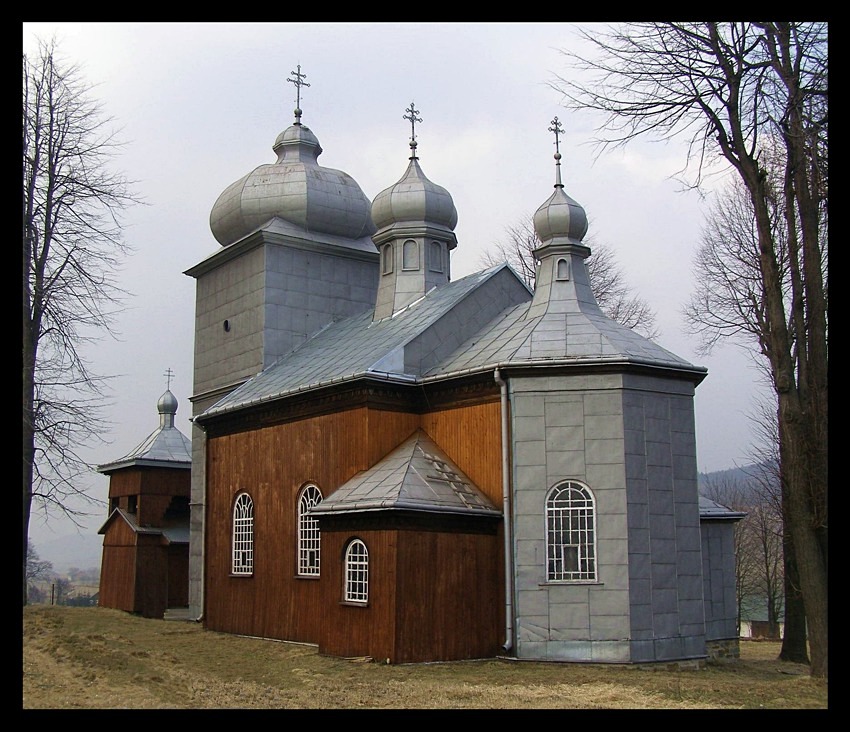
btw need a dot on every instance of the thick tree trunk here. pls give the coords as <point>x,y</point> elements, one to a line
<point>794,639</point>
<point>804,482</point>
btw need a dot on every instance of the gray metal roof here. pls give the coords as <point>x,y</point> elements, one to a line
<point>516,338</point>
<point>709,510</point>
<point>165,447</point>
<point>416,476</point>
<point>352,348</point>
<point>563,323</point>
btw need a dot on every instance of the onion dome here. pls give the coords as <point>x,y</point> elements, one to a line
<point>296,189</point>
<point>414,199</point>
<point>560,217</point>
<point>167,403</point>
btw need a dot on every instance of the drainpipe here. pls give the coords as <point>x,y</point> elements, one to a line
<point>506,510</point>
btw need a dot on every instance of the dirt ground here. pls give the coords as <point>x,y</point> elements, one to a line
<point>97,658</point>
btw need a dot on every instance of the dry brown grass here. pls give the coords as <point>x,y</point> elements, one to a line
<point>96,658</point>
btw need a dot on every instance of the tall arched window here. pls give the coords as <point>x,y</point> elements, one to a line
<point>387,259</point>
<point>570,533</point>
<point>356,572</point>
<point>243,535</point>
<point>436,257</point>
<point>410,255</point>
<point>309,539</point>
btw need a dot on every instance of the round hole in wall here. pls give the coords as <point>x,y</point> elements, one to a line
<point>227,326</point>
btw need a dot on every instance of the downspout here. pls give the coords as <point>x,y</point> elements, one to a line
<point>508,514</point>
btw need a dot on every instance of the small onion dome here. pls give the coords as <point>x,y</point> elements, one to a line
<point>414,199</point>
<point>167,403</point>
<point>295,188</point>
<point>560,217</point>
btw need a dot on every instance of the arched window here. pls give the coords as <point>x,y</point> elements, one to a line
<point>436,257</point>
<point>243,535</point>
<point>563,272</point>
<point>309,540</point>
<point>387,259</point>
<point>570,533</point>
<point>410,255</point>
<point>356,572</point>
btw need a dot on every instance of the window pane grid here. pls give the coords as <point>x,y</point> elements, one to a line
<point>357,572</point>
<point>309,538</point>
<point>570,534</point>
<point>243,535</point>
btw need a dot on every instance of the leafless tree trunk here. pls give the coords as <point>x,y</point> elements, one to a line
<point>768,471</point>
<point>752,95</point>
<point>72,247</point>
<point>607,281</point>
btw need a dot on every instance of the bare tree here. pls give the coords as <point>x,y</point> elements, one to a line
<point>766,469</point>
<point>607,281</point>
<point>37,568</point>
<point>72,248</point>
<point>740,93</point>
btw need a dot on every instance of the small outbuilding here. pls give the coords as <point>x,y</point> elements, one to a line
<point>145,565</point>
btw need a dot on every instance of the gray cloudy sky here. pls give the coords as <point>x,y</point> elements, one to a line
<point>200,105</point>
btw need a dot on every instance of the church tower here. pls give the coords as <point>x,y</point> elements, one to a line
<point>296,255</point>
<point>415,221</point>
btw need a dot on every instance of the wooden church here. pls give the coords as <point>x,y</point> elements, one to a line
<point>390,463</point>
<point>145,562</point>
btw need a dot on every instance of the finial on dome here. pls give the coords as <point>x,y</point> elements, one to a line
<point>412,112</point>
<point>557,129</point>
<point>299,82</point>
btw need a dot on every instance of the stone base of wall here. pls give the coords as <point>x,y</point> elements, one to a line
<point>719,650</point>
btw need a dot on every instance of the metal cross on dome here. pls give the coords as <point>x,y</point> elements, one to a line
<point>299,82</point>
<point>411,115</point>
<point>557,129</point>
<point>168,374</point>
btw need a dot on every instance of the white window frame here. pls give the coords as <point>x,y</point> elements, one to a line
<point>570,533</point>
<point>242,557</point>
<point>356,573</point>
<point>309,537</point>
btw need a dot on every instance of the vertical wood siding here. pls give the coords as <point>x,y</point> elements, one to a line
<point>118,567</point>
<point>272,465</point>
<point>432,595</point>
<point>472,437</point>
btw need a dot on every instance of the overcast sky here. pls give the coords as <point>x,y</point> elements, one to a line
<point>199,105</point>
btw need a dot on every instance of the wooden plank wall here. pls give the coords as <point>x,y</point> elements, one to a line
<point>471,436</point>
<point>449,600</point>
<point>273,464</point>
<point>353,630</point>
<point>151,576</point>
<point>118,568</point>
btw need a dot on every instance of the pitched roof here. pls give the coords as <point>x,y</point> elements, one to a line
<point>392,348</point>
<point>416,476</point>
<point>165,447</point>
<point>709,510</point>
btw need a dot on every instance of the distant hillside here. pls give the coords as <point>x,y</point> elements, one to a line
<point>741,474</point>
<point>82,551</point>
